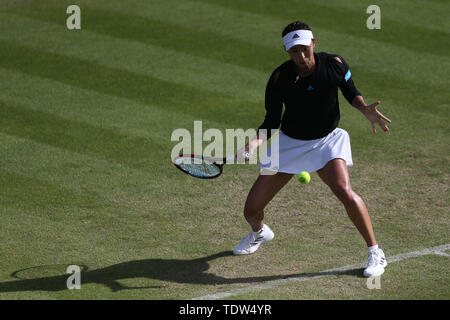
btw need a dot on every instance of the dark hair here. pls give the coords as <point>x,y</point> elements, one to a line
<point>296,25</point>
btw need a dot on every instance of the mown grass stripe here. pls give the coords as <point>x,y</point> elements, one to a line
<point>144,89</point>
<point>101,110</point>
<point>410,36</point>
<point>142,58</point>
<point>57,166</point>
<point>164,34</point>
<point>54,202</point>
<point>428,15</point>
<point>44,127</point>
<point>261,31</point>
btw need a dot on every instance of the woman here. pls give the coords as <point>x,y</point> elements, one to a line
<point>309,139</point>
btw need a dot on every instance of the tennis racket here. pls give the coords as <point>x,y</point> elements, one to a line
<point>200,166</point>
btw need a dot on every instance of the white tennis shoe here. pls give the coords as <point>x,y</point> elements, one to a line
<point>253,240</point>
<point>376,263</point>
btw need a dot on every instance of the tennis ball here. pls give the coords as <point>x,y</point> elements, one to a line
<point>304,177</point>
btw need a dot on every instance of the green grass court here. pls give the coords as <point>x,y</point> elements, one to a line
<point>85,170</point>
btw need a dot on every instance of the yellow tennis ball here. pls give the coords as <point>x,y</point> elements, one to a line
<point>304,177</point>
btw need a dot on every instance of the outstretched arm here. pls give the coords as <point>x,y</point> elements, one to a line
<point>371,113</point>
<point>354,97</point>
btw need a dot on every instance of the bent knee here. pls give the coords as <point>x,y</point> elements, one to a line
<point>251,210</point>
<point>344,192</point>
<point>252,207</point>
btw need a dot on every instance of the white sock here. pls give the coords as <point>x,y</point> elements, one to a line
<point>372,248</point>
<point>259,231</point>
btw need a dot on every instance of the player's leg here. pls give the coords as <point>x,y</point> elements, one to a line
<point>262,191</point>
<point>335,175</point>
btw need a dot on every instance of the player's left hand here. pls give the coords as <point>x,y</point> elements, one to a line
<point>376,117</point>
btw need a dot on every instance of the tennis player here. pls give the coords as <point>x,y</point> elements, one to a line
<point>309,137</point>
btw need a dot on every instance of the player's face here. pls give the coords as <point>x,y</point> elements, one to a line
<point>303,56</point>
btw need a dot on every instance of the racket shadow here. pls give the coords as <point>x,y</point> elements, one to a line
<point>168,270</point>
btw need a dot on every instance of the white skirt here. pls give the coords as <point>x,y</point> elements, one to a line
<point>295,156</point>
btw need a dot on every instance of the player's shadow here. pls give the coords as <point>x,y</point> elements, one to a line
<point>171,270</point>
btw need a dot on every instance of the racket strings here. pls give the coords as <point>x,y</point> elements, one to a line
<point>203,169</point>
